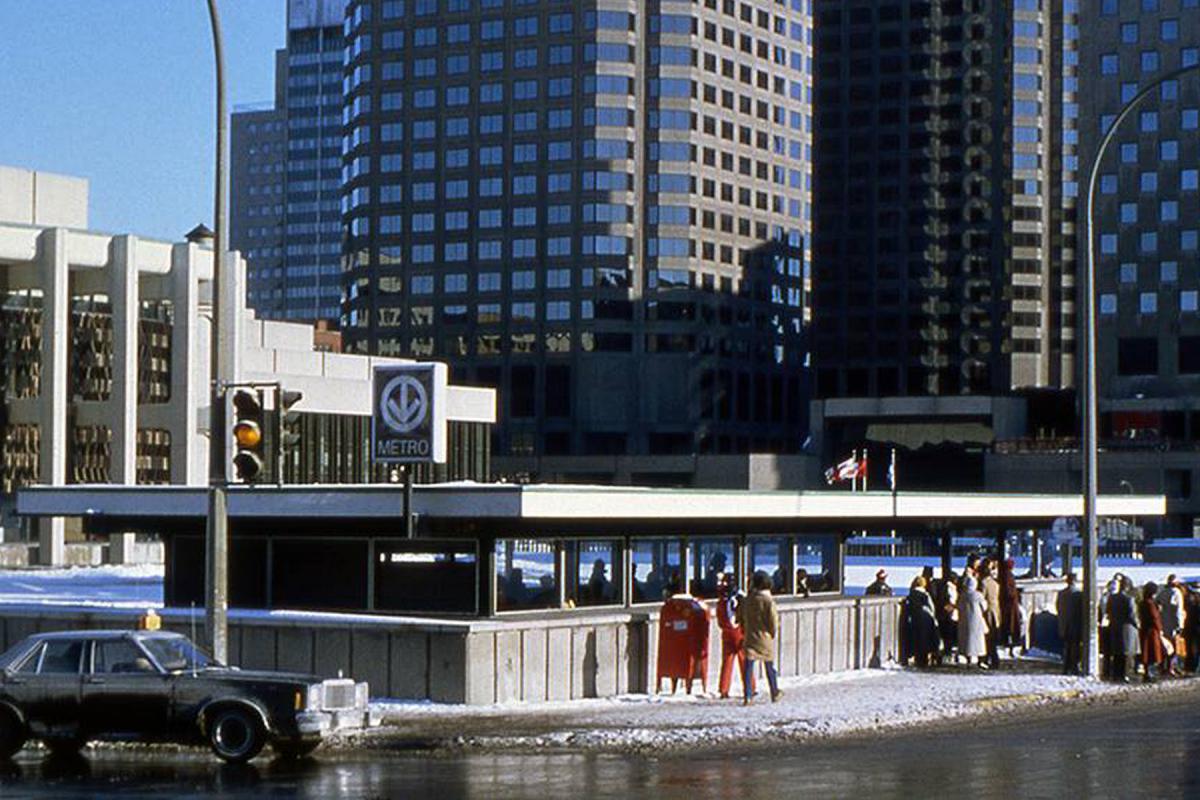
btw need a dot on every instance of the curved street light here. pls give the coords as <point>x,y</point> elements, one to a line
<point>1090,452</point>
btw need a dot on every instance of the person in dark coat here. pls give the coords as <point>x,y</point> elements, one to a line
<point>880,587</point>
<point>947,616</point>
<point>922,623</point>
<point>1123,633</point>
<point>1191,629</point>
<point>1011,633</point>
<point>1069,606</point>
<point>1154,652</point>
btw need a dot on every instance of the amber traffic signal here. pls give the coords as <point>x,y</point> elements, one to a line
<point>244,408</point>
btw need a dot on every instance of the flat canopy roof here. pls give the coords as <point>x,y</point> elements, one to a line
<point>473,509</point>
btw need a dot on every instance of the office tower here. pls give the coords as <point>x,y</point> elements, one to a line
<point>601,208</point>
<point>285,189</point>
<point>1147,205</point>
<point>945,196</point>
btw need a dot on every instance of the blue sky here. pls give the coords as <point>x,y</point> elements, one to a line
<point>121,92</point>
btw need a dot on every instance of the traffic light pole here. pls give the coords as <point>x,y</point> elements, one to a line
<point>216,550</point>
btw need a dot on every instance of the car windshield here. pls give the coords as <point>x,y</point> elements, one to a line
<point>177,653</point>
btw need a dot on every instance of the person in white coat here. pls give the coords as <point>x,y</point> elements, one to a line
<point>972,623</point>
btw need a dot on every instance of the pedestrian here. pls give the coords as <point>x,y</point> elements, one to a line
<point>880,587</point>
<point>1172,606</point>
<point>1191,629</point>
<point>922,622</point>
<point>759,618</point>
<point>1069,605</point>
<point>802,588</point>
<point>1155,654</point>
<point>732,635</point>
<point>1012,631</point>
<point>947,608</point>
<point>1104,634</point>
<point>972,623</point>
<point>972,569</point>
<point>989,587</point>
<point>1122,632</point>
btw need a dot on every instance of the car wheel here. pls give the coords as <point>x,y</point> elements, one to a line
<point>12,734</point>
<point>295,750</point>
<point>236,735</point>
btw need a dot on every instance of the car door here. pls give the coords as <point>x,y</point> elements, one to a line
<point>51,686</point>
<point>124,694</point>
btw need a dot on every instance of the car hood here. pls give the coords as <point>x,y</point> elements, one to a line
<point>254,676</point>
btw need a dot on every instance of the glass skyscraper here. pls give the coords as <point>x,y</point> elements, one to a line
<point>945,195</point>
<point>1147,211</point>
<point>286,179</point>
<point>601,208</point>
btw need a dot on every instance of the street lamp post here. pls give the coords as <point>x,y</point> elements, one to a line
<point>1090,450</point>
<point>216,539</point>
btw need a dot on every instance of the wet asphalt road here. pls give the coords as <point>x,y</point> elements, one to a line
<point>1144,749</point>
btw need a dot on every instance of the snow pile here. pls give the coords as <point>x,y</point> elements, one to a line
<point>134,587</point>
<point>812,708</point>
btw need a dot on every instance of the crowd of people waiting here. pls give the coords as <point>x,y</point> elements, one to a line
<point>1156,628</point>
<point>969,617</point>
<point>959,617</point>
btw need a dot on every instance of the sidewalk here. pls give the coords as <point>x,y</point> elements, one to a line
<point>812,708</point>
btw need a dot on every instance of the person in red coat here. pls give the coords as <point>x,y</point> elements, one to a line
<point>1154,652</point>
<point>732,635</point>
<point>1011,633</point>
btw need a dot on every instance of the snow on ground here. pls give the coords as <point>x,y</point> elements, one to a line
<point>812,707</point>
<point>108,586</point>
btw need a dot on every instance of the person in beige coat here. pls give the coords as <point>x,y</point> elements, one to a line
<point>990,588</point>
<point>759,618</point>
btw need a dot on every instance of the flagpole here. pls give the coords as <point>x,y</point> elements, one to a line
<point>892,484</point>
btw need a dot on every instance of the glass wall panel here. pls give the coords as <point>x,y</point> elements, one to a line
<point>526,575</point>
<point>424,577</point>
<point>817,563</point>
<point>593,572</point>
<point>771,556</point>
<point>712,558</point>
<point>657,569</point>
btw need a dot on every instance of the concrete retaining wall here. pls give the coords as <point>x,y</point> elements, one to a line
<point>530,658</point>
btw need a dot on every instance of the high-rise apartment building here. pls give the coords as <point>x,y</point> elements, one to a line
<point>945,196</point>
<point>286,193</point>
<point>601,208</point>
<point>1147,204</point>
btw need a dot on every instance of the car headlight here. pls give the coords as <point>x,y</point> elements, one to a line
<point>313,701</point>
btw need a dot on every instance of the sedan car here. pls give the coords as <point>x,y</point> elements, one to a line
<point>71,687</point>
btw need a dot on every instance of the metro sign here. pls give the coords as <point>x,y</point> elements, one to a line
<point>408,420</point>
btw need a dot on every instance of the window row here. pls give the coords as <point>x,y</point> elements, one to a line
<point>567,574</point>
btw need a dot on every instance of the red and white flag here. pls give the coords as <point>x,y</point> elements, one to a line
<point>848,470</point>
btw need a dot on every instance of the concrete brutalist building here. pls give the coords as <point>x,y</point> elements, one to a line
<point>602,209</point>
<point>105,368</point>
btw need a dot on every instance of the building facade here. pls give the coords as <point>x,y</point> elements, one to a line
<point>1147,204</point>
<point>601,209</point>
<point>945,196</point>
<point>286,191</point>
<point>105,373</point>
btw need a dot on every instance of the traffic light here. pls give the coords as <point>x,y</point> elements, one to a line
<point>288,433</point>
<point>244,411</point>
